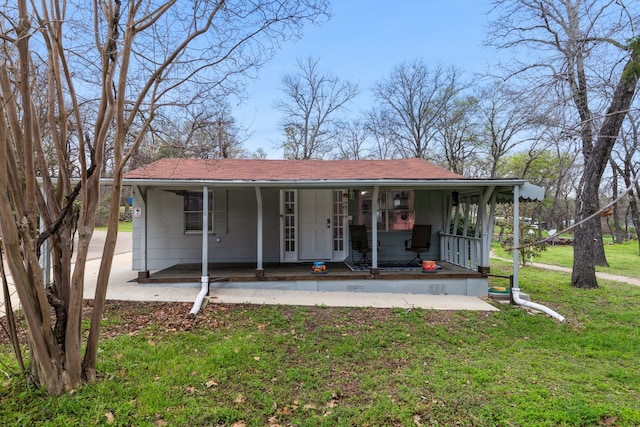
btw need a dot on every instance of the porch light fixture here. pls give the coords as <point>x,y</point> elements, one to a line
<point>396,201</point>
<point>455,198</point>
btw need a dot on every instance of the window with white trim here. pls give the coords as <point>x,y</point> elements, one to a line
<point>193,208</point>
<point>395,209</point>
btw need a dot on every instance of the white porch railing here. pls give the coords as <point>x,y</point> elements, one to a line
<point>461,250</point>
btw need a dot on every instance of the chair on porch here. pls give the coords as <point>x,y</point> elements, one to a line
<point>360,242</point>
<point>420,241</point>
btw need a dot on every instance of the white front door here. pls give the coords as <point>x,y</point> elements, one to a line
<point>315,225</point>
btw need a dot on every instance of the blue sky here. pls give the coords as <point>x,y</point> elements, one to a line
<point>362,42</point>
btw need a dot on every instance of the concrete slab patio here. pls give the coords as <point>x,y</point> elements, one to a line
<point>350,299</point>
<point>122,286</point>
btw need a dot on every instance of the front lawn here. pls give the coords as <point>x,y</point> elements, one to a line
<point>245,365</point>
<point>123,226</point>
<point>623,258</point>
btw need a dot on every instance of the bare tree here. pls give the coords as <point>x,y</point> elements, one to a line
<point>457,131</point>
<point>352,141</point>
<point>379,126</point>
<point>260,153</point>
<point>206,132</point>
<point>311,100</point>
<point>136,58</point>
<point>573,47</point>
<point>412,98</point>
<point>627,164</point>
<point>567,175</point>
<point>507,120</point>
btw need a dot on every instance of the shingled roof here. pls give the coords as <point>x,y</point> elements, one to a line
<point>290,170</point>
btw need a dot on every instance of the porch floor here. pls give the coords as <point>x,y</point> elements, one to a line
<point>246,272</point>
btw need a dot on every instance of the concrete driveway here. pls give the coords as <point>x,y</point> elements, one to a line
<point>123,247</point>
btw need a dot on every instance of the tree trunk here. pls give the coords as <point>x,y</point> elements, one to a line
<point>586,234</point>
<point>635,213</point>
<point>599,257</point>
<point>616,232</point>
<point>91,352</point>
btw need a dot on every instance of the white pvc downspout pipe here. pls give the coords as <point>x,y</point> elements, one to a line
<point>515,290</point>
<point>204,290</point>
<point>535,306</point>
<point>204,278</point>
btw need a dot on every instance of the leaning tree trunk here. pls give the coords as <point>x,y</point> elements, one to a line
<point>584,252</point>
<point>599,257</point>
<point>635,214</point>
<point>616,233</point>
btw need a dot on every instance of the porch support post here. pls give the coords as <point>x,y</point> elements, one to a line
<point>143,272</point>
<point>374,233</point>
<point>492,215</point>
<point>445,240</point>
<point>516,237</point>
<point>204,275</point>
<point>454,220</point>
<point>487,228</point>
<point>465,212</point>
<point>259,237</point>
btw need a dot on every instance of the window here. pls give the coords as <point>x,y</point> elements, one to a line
<point>395,209</point>
<point>194,207</point>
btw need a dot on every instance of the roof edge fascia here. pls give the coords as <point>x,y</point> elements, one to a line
<point>326,183</point>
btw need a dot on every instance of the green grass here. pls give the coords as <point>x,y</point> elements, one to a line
<point>623,258</point>
<point>317,366</point>
<point>124,226</point>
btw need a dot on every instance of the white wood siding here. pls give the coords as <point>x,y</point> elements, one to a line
<point>167,243</point>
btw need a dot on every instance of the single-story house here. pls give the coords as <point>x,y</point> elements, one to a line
<point>264,223</point>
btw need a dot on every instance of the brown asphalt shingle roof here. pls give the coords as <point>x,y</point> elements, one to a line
<point>290,170</point>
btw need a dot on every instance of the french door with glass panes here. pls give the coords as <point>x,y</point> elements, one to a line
<point>313,225</point>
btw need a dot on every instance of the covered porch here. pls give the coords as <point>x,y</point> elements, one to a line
<point>260,224</point>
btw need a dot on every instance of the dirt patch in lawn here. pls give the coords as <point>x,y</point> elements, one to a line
<point>130,317</point>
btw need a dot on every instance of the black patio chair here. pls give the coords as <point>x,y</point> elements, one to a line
<point>420,241</point>
<point>360,242</point>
